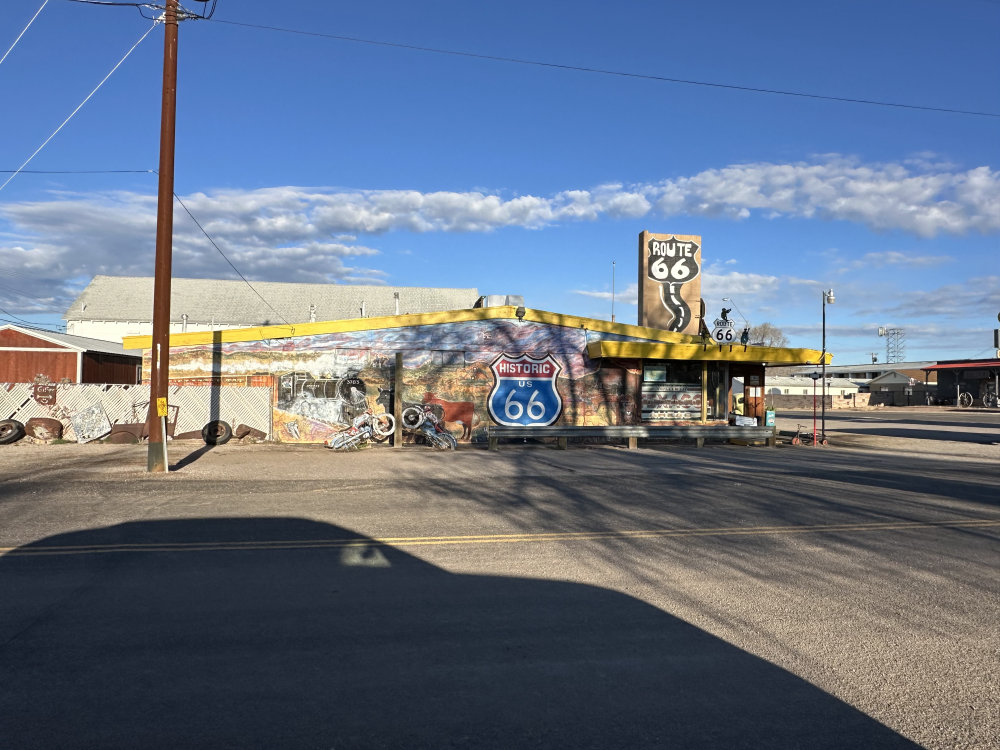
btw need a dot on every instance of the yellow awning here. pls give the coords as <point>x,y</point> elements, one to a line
<point>711,352</point>
<point>663,344</point>
<point>256,333</point>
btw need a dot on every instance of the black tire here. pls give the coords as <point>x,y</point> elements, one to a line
<point>10,431</point>
<point>217,432</point>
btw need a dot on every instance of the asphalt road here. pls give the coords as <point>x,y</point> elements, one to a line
<point>277,596</point>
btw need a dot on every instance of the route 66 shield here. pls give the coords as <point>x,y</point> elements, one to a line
<point>524,391</point>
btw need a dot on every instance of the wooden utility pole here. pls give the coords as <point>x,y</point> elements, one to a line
<point>160,352</point>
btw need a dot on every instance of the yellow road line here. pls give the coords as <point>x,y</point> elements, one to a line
<point>423,541</point>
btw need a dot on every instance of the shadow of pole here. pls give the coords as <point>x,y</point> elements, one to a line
<point>191,457</point>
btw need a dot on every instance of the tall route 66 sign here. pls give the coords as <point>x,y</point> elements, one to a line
<point>670,281</point>
<point>524,391</point>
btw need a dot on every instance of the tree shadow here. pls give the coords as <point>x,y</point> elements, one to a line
<point>283,632</point>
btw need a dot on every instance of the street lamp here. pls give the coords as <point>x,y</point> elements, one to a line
<point>730,299</point>
<point>827,298</point>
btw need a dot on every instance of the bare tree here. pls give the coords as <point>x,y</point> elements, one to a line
<point>768,334</point>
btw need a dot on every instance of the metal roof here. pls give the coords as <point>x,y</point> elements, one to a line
<point>78,343</point>
<point>879,367</point>
<point>226,302</point>
<point>787,381</point>
<point>968,364</point>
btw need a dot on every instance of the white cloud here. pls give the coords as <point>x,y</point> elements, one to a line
<point>896,258</point>
<point>738,285</point>
<point>297,233</point>
<point>925,202</point>
<point>972,304</point>
<point>629,295</point>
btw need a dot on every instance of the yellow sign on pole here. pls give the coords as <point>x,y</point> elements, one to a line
<point>161,407</point>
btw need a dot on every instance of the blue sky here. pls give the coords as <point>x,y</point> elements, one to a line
<point>313,158</point>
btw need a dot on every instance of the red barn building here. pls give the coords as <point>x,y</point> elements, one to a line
<point>27,353</point>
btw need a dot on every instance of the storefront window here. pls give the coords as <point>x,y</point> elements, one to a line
<point>671,391</point>
<point>654,374</point>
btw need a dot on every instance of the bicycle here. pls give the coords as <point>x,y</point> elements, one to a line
<point>366,427</point>
<point>801,437</point>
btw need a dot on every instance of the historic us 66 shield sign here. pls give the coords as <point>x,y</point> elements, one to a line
<point>524,392</point>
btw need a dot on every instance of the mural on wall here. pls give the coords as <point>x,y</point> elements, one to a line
<point>320,382</point>
<point>307,404</point>
<point>670,281</point>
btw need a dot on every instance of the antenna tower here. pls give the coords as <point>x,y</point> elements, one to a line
<point>895,344</point>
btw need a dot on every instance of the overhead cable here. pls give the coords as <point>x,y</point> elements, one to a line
<point>117,65</point>
<point>198,224</point>
<point>23,32</point>
<point>619,73</point>
<point>78,171</point>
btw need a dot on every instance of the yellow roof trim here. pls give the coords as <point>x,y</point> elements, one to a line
<point>709,352</point>
<point>256,333</point>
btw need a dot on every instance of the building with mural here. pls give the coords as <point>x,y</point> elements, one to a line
<point>501,365</point>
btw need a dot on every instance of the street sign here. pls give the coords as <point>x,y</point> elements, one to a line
<point>725,331</point>
<point>524,392</point>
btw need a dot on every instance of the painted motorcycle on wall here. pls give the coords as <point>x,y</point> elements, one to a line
<point>366,428</point>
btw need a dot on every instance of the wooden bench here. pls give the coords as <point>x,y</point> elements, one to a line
<point>697,432</point>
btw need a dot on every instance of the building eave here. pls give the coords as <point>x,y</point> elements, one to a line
<point>704,352</point>
<point>507,312</point>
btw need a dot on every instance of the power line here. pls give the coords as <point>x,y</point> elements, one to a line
<point>182,14</point>
<point>77,171</point>
<point>198,224</point>
<point>12,315</point>
<point>23,32</point>
<point>79,107</point>
<point>604,71</point>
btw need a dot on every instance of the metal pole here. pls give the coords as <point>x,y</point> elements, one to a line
<point>823,390</point>
<point>815,436</point>
<point>397,401</point>
<point>156,459</point>
<point>612,291</point>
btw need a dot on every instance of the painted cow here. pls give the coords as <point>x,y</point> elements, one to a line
<point>463,412</point>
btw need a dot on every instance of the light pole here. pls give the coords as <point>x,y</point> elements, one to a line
<point>612,291</point>
<point>827,297</point>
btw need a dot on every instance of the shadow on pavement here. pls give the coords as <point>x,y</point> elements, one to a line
<point>190,457</point>
<point>281,632</point>
<point>971,435</point>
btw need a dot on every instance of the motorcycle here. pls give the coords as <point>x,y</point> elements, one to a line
<point>365,428</point>
<point>429,426</point>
